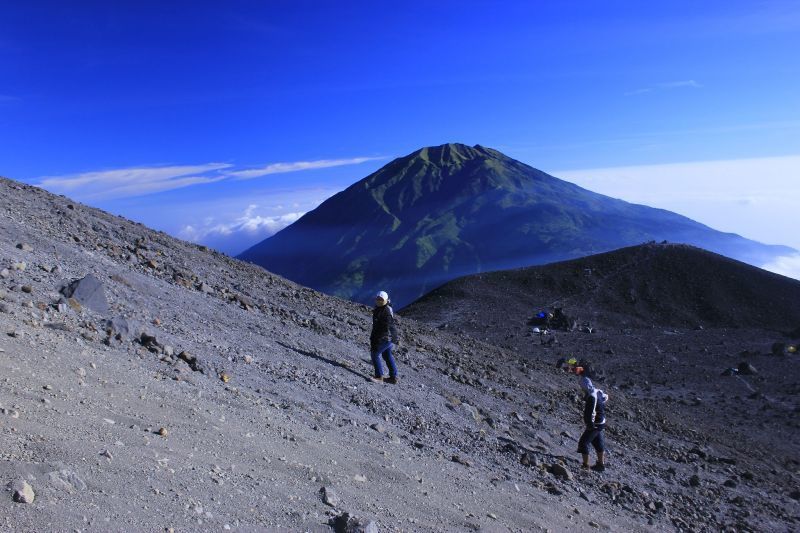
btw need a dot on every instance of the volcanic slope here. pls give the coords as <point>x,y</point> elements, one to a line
<point>650,284</point>
<point>208,394</point>
<point>693,336</point>
<point>451,210</point>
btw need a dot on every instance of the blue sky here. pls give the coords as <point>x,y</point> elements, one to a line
<point>224,121</point>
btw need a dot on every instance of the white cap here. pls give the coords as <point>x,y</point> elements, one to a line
<point>383,296</point>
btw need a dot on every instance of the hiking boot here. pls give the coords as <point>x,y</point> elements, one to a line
<point>377,379</point>
<point>599,467</point>
<point>392,380</point>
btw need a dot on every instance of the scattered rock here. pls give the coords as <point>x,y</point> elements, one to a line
<point>694,481</point>
<point>20,267</point>
<point>378,427</point>
<point>122,328</point>
<point>345,523</point>
<point>88,292</point>
<point>746,369</point>
<point>4,273</point>
<point>27,289</point>
<point>22,491</point>
<point>329,497</point>
<point>25,247</point>
<point>163,432</point>
<point>460,460</point>
<point>560,471</point>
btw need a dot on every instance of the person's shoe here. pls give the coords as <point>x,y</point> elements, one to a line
<point>377,379</point>
<point>585,467</point>
<point>392,380</point>
<point>599,467</point>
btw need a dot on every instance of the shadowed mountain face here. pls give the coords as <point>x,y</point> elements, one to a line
<point>654,284</point>
<point>451,210</point>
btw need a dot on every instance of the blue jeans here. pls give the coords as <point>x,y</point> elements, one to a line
<point>385,350</point>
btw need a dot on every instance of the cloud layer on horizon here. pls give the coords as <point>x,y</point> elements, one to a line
<point>788,265</point>
<point>756,198</point>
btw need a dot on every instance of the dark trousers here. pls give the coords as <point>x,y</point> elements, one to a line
<point>593,436</point>
<point>384,350</point>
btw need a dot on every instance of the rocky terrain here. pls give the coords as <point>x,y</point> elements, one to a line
<point>701,345</point>
<point>176,389</point>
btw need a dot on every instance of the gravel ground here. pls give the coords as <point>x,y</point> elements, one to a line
<point>211,395</point>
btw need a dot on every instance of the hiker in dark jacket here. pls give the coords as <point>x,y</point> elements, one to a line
<point>383,338</point>
<point>594,417</point>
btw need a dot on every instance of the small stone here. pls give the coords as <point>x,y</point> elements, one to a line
<point>168,350</point>
<point>107,454</point>
<point>694,481</point>
<point>360,478</point>
<point>81,372</point>
<point>16,334</point>
<point>248,359</point>
<point>4,273</point>
<point>27,289</point>
<point>20,267</point>
<point>329,497</point>
<point>25,247</point>
<point>560,471</point>
<point>747,369</point>
<point>163,432</point>
<point>378,427</point>
<point>47,387</point>
<point>225,377</point>
<point>23,492</point>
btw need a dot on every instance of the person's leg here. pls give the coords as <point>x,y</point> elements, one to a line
<point>389,358</point>
<point>600,447</point>
<point>376,362</point>
<point>583,446</point>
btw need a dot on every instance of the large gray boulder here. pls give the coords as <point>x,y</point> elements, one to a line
<point>89,292</point>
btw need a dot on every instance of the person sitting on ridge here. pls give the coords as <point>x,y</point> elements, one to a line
<point>594,416</point>
<point>383,338</point>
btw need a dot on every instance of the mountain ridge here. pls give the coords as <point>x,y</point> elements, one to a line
<point>451,210</point>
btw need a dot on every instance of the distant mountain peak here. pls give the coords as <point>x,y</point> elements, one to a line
<point>450,153</point>
<point>445,211</point>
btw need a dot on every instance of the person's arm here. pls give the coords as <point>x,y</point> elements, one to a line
<point>589,410</point>
<point>393,332</point>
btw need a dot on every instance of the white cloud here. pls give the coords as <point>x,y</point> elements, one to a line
<point>681,84</point>
<point>125,182</point>
<point>250,227</point>
<point>139,181</point>
<point>788,266</point>
<point>756,198</point>
<point>280,168</point>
